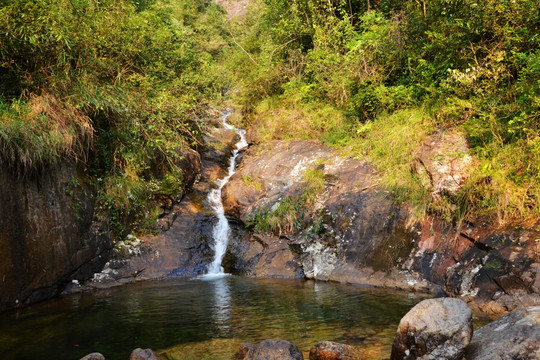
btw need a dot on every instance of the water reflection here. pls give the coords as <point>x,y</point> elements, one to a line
<point>222,305</point>
<point>195,316</point>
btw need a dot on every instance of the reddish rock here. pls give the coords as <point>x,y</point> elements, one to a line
<point>443,162</point>
<point>327,350</point>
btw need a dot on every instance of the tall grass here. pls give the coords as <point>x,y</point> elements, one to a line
<point>41,131</point>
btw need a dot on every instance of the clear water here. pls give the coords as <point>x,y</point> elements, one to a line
<point>204,319</point>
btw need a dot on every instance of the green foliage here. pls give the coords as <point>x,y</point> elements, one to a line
<point>253,183</point>
<point>116,83</point>
<point>288,215</point>
<point>384,65</point>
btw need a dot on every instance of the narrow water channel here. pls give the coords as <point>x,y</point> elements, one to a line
<point>203,319</point>
<point>221,231</point>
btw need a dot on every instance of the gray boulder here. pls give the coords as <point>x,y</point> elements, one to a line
<point>274,349</point>
<point>434,329</point>
<point>513,336</point>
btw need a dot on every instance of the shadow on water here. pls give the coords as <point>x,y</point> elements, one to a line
<point>204,319</point>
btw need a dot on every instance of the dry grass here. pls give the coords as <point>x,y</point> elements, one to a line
<point>40,131</point>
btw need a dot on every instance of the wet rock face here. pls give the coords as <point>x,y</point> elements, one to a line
<point>182,251</point>
<point>328,350</point>
<point>46,234</point>
<point>184,248</point>
<point>513,336</point>
<point>262,256</point>
<point>275,349</point>
<point>434,329</point>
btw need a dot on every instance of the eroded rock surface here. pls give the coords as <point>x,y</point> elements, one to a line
<point>513,336</point>
<point>275,349</point>
<point>497,270</point>
<point>434,329</point>
<point>355,233</point>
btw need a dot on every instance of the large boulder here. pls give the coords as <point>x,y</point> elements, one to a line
<point>434,329</point>
<point>275,349</point>
<point>328,350</point>
<point>513,336</point>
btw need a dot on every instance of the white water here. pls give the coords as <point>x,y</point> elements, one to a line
<point>222,230</point>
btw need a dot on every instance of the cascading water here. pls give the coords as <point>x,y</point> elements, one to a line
<point>222,230</point>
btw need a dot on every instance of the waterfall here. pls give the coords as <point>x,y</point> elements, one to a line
<point>221,230</point>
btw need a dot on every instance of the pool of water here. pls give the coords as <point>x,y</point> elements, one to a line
<point>200,319</point>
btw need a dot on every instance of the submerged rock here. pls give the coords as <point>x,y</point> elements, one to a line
<point>143,354</point>
<point>434,329</point>
<point>94,356</point>
<point>275,349</point>
<point>328,350</point>
<point>513,336</point>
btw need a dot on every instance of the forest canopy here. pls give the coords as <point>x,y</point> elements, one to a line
<point>120,85</point>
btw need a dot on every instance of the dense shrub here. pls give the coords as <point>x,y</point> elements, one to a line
<point>471,64</point>
<point>118,84</point>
